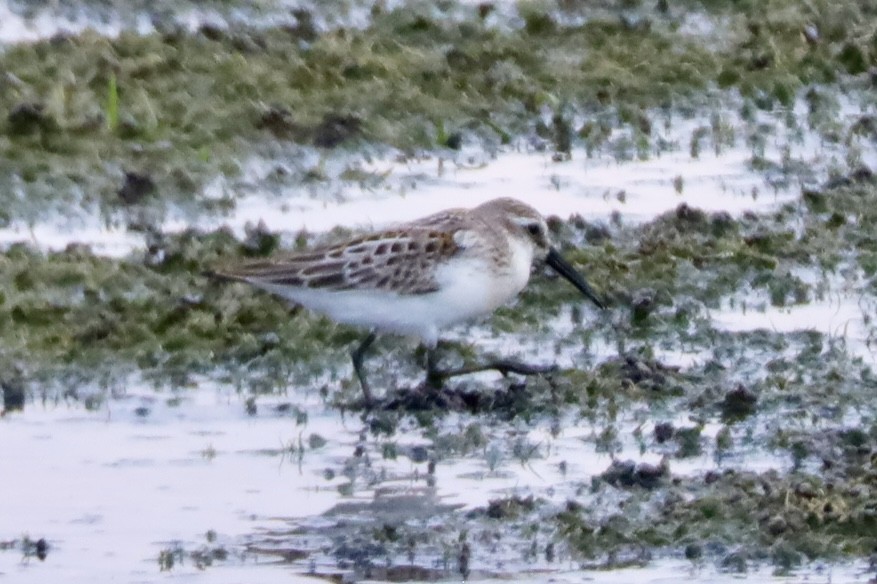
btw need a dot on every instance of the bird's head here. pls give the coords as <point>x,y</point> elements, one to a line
<point>528,226</point>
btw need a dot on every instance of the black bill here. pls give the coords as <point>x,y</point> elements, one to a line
<point>562,267</point>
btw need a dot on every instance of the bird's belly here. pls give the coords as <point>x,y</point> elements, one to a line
<point>417,315</point>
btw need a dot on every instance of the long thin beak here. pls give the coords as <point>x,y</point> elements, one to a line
<point>562,267</point>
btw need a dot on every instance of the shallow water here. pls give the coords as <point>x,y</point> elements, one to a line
<point>844,318</point>
<point>112,488</point>
<point>23,22</point>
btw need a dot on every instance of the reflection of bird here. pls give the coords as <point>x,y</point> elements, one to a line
<point>419,277</point>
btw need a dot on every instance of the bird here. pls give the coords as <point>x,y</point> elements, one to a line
<point>418,278</point>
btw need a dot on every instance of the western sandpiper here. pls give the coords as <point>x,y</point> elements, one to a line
<point>420,277</point>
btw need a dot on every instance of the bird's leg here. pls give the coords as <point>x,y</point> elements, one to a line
<point>435,377</point>
<point>356,355</point>
<point>504,366</point>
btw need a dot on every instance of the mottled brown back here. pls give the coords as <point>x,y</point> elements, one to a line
<point>403,261</point>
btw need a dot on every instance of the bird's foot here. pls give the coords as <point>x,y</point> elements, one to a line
<point>435,378</point>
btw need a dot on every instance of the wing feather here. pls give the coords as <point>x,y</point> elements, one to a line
<point>402,260</point>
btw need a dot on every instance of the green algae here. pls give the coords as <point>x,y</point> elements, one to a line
<point>180,108</point>
<point>75,312</point>
<point>755,513</point>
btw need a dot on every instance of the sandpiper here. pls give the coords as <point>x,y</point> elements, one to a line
<point>420,277</point>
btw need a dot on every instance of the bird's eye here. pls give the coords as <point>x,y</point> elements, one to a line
<point>534,229</point>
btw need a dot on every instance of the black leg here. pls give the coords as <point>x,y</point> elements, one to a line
<point>356,355</point>
<point>504,366</point>
<point>435,377</point>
